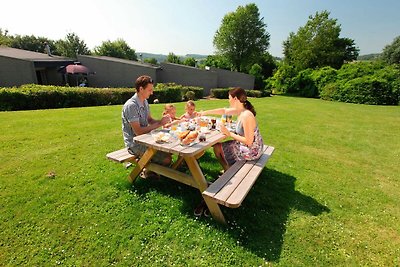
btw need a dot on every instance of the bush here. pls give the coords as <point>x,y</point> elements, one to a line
<point>220,93</point>
<point>323,77</point>
<point>283,79</point>
<point>33,96</point>
<point>367,90</point>
<point>304,85</point>
<point>223,93</point>
<point>43,97</point>
<point>190,95</point>
<point>329,91</point>
<point>171,92</point>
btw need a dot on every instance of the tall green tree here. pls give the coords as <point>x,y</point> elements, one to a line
<point>151,60</point>
<point>5,39</point>
<point>71,46</point>
<point>391,52</point>
<point>242,37</point>
<point>31,43</point>
<point>317,44</point>
<point>118,49</point>
<point>172,58</point>
<point>217,61</point>
<point>189,61</point>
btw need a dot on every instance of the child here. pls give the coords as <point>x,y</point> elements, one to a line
<point>170,109</point>
<point>190,111</point>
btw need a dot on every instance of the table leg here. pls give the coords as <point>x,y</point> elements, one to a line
<point>141,164</point>
<point>202,185</point>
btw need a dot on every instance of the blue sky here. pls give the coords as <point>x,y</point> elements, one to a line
<point>188,26</point>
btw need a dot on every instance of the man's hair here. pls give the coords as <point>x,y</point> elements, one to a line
<point>143,81</point>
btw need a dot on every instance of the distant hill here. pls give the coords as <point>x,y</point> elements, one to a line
<point>369,56</point>
<point>161,58</point>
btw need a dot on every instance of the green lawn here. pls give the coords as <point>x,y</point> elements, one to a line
<point>330,194</point>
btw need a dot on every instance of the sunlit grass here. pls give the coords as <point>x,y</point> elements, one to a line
<point>329,194</point>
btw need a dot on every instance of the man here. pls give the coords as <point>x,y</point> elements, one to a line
<point>136,120</point>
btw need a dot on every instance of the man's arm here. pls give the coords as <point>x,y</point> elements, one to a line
<point>153,124</point>
<point>142,130</point>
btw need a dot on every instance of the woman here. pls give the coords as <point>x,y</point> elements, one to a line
<point>247,142</point>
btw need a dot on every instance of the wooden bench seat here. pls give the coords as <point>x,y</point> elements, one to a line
<point>121,156</point>
<point>231,188</point>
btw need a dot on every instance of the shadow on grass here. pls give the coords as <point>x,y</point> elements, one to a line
<point>259,224</point>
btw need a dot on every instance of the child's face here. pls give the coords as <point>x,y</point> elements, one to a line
<point>190,110</point>
<point>171,112</point>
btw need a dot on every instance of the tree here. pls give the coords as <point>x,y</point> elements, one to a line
<point>151,60</point>
<point>217,61</point>
<point>172,58</point>
<point>317,44</point>
<point>190,61</point>
<point>391,53</point>
<point>242,37</point>
<point>118,49</point>
<point>5,39</point>
<point>71,46</point>
<point>256,71</point>
<point>268,65</point>
<point>31,43</point>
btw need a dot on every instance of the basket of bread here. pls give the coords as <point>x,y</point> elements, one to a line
<point>188,137</point>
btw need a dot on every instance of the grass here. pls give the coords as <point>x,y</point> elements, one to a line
<point>329,195</point>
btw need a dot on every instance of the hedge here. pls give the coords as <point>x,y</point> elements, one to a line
<point>223,93</point>
<point>359,82</point>
<point>33,96</point>
<point>44,97</point>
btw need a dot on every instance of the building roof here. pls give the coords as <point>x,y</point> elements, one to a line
<point>125,61</point>
<point>29,55</point>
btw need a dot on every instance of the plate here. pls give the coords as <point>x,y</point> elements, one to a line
<point>190,144</point>
<point>161,136</point>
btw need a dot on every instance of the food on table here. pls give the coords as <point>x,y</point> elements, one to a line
<point>183,134</point>
<point>190,137</point>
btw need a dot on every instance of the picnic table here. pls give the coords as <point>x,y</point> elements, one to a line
<point>189,154</point>
<point>230,189</point>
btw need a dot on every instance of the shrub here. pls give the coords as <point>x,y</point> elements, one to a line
<point>254,93</point>
<point>323,77</point>
<point>283,79</point>
<point>223,93</point>
<point>44,97</point>
<point>367,90</point>
<point>171,92</point>
<point>190,95</point>
<point>329,91</point>
<point>220,93</point>
<point>304,85</point>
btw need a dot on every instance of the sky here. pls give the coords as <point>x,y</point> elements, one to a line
<point>188,26</point>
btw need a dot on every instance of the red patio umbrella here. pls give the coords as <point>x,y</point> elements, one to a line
<point>77,69</point>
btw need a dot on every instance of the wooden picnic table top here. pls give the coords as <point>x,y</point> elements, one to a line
<point>174,146</point>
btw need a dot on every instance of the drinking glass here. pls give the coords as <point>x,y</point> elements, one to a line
<point>223,119</point>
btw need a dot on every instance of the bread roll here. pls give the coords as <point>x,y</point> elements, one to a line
<point>183,134</point>
<point>190,137</point>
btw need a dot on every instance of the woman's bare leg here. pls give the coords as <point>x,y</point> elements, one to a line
<point>219,153</point>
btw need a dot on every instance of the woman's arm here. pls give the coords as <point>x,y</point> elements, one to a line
<point>220,111</point>
<point>249,124</point>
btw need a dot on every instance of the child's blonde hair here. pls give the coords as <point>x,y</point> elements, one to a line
<point>190,103</point>
<point>168,108</point>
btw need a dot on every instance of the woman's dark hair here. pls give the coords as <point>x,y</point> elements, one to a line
<point>240,94</point>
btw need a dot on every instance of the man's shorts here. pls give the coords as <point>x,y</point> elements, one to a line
<point>139,149</point>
